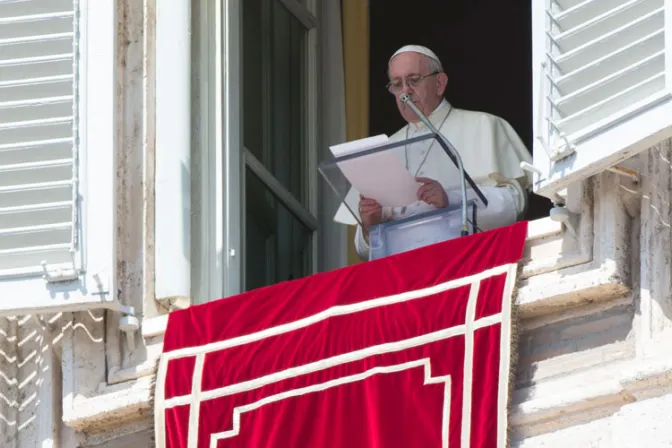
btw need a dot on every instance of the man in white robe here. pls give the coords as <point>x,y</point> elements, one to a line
<point>491,151</point>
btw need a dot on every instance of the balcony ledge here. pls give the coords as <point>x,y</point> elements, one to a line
<point>556,291</point>
<point>585,396</point>
<point>112,407</point>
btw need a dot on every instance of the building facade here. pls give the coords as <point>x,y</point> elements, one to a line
<point>157,155</point>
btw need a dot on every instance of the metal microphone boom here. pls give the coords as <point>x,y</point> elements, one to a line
<point>406,99</point>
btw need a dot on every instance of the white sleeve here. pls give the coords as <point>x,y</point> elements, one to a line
<point>361,246</point>
<point>505,205</point>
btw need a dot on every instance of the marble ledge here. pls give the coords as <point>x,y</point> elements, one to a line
<point>111,407</point>
<point>550,406</point>
<point>580,285</point>
<point>589,395</point>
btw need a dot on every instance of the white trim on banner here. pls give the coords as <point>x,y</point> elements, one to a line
<point>471,325</point>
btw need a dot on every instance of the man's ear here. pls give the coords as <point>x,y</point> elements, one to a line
<point>442,79</point>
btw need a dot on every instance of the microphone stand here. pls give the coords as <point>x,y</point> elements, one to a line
<point>406,99</point>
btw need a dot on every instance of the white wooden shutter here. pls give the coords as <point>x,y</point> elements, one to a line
<point>38,148</point>
<point>602,84</point>
<point>57,163</point>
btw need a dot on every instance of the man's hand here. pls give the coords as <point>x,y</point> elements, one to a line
<point>371,213</point>
<point>432,193</point>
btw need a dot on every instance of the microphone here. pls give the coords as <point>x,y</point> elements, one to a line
<point>406,99</point>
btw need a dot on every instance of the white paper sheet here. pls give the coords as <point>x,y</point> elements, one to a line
<point>380,176</point>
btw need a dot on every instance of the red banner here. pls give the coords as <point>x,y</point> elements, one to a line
<point>411,350</point>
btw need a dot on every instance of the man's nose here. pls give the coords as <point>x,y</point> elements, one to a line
<point>406,88</point>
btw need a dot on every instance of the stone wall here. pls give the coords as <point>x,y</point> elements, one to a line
<point>596,350</point>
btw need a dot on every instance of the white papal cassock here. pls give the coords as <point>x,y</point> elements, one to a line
<point>491,152</point>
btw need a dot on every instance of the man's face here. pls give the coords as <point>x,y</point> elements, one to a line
<point>426,94</point>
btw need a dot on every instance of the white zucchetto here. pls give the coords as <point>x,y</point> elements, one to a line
<point>416,49</point>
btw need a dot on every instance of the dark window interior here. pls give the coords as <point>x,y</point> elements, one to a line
<point>485,48</point>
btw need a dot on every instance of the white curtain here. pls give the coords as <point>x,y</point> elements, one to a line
<point>333,236</point>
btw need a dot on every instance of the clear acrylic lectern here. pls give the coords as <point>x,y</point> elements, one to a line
<point>408,224</point>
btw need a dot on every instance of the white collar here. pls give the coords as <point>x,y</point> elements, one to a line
<point>433,117</point>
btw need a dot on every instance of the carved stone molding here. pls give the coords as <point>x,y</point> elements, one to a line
<point>562,270</point>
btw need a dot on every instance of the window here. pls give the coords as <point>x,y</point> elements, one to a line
<point>279,153</point>
<point>57,166</point>
<point>255,144</point>
<point>602,85</point>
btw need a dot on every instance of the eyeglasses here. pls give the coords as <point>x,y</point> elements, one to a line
<point>412,82</point>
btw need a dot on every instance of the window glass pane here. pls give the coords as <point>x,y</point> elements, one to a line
<point>273,92</point>
<point>252,80</point>
<point>278,246</point>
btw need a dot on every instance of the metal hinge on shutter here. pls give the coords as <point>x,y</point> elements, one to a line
<point>61,275</point>
<point>605,61</point>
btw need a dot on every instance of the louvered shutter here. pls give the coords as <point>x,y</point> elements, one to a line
<point>57,155</point>
<point>602,84</point>
<point>38,148</point>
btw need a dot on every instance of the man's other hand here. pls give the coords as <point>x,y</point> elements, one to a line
<point>432,193</point>
<point>370,211</point>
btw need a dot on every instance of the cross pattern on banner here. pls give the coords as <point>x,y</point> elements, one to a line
<point>479,329</point>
